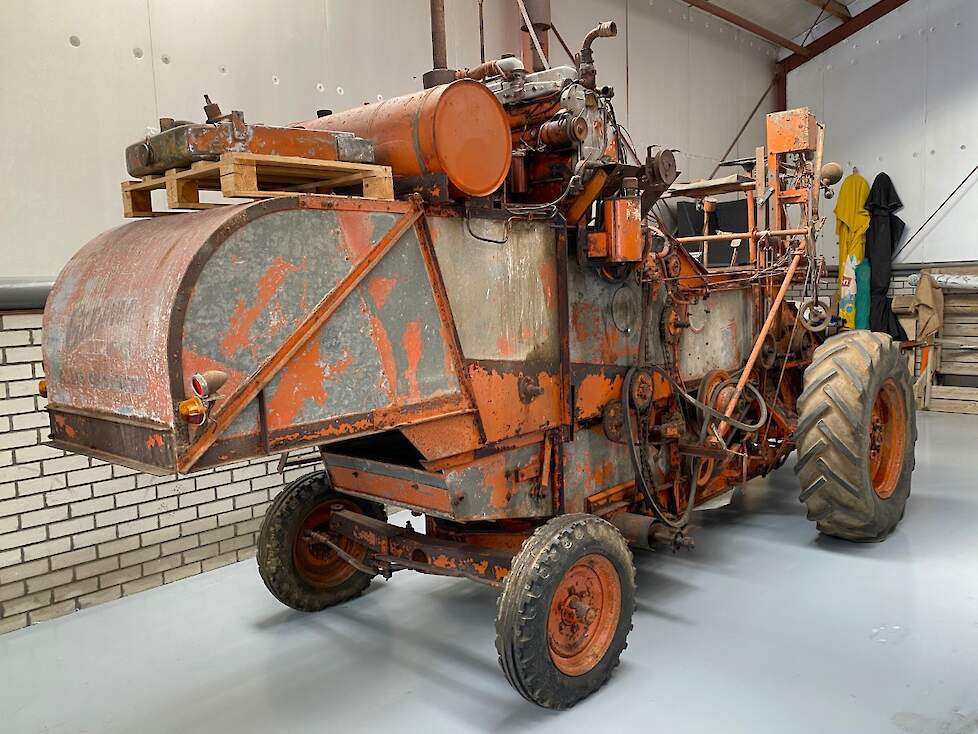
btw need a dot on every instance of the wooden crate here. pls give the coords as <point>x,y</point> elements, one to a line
<point>253,176</point>
<point>953,399</point>
<point>955,353</point>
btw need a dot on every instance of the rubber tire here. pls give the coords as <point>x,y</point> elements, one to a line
<point>523,607</point>
<point>841,385</point>
<point>276,540</point>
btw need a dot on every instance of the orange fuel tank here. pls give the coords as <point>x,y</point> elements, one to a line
<point>459,129</point>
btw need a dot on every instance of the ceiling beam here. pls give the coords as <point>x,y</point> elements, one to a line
<point>841,33</point>
<point>834,7</point>
<point>747,25</point>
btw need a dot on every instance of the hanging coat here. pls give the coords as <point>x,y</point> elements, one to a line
<point>882,238</point>
<point>851,222</point>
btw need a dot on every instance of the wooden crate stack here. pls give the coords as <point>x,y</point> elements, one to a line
<point>252,176</point>
<point>955,352</point>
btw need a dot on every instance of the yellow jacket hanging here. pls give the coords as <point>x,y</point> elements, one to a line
<point>851,223</point>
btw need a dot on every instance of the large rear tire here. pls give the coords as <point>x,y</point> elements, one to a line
<point>301,573</point>
<point>566,610</point>
<point>856,434</point>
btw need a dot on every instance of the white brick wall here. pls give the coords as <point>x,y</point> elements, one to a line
<point>76,532</point>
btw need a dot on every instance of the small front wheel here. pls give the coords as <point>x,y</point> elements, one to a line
<point>566,610</point>
<point>300,571</point>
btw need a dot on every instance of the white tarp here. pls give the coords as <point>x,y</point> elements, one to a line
<point>948,281</point>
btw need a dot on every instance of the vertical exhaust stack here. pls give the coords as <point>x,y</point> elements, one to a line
<point>440,73</point>
<point>538,12</point>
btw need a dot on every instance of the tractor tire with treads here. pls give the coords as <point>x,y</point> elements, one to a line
<point>856,434</point>
<point>566,610</point>
<point>302,574</point>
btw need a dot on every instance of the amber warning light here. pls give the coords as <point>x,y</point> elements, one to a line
<point>204,386</point>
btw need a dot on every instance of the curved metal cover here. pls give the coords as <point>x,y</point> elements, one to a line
<point>143,307</point>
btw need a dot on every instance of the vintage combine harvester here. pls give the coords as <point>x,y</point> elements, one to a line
<point>499,335</point>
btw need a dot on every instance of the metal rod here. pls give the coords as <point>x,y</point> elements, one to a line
<point>759,342</point>
<point>563,43</point>
<point>743,127</point>
<point>317,537</point>
<point>727,236</point>
<point>834,7</point>
<point>482,33</point>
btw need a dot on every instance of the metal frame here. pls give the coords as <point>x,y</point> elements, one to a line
<point>822,44</point>
<point>747,25</point>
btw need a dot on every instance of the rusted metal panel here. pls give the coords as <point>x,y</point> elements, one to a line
<point>503,295</point>
<point>412,488</point>
<point>604,318</point>
<point>515,397</point>
<point>223,290</point>
<point>592,463</point>
<point>594,387</point>
<point>110,312</point>
<point>792,131</point>
<point>138,445</point>
<point>719,336</point>
<point>502,485</point>
<point>447,436</point>
<point>505,484</point>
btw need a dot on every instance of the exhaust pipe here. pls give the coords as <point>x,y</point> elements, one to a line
<point>440,73</point>
<point>585,59</point>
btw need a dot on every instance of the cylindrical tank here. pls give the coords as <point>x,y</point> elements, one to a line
<point>459,129</point>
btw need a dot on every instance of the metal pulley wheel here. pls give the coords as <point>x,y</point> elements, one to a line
<point>664,166</point>
<point>641,390</point>
<point>814,316</point>
<point>612,421</point>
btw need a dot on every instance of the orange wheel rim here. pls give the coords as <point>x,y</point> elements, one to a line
<point>584,615</point>
<point>887,438</point>
<point>317,563</point>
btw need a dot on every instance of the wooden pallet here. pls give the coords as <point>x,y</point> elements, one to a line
<point>953,399</point>
<point>955,353</point>
<point>253,176</point>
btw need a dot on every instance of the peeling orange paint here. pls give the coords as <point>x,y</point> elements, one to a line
<point>593,392</point>
<point>299,382</point>
<point>387,380</point>
<point>358,232</point>
<point>502,412</point>
<point>63,424</point>
<point>548,279</point>
<point>380,288</point>
<point>413,346</point>
<point>244,317</point>
<point>444,437</point>
<point>154,440</point>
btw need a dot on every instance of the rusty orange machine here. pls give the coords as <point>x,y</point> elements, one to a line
<point>514,347</point>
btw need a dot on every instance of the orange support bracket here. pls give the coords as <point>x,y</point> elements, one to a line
<point>249,389</point>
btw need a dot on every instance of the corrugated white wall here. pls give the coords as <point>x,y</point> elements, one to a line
<point>901,96</point>
<point>81,80</point>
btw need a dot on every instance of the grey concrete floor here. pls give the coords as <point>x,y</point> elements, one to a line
<point>764,627</point>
